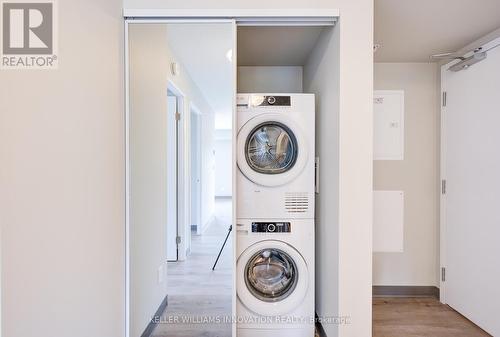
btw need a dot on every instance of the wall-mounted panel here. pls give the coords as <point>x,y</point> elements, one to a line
<point>388,124</point>
<point>388,221</point>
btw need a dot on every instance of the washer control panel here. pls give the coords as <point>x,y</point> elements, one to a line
<point>271,227</point>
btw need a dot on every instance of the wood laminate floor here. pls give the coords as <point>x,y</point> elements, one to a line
<point>419,317</point>
<point>197,296</point>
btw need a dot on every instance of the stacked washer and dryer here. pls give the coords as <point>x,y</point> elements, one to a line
<point>275,215</point>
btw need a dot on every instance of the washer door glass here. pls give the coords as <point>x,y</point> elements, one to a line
<point>271,275</point>
<point>271,148</point>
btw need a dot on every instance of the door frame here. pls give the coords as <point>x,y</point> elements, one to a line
<point>195,111</point>
<point>242,17</point>
<point>180,153</point>
<point>442,195</point>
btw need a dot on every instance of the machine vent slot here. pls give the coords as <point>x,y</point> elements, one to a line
<point>296,202</point>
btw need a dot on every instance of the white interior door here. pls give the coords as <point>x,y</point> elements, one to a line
<point>172,180</point>
<point>470,206</point>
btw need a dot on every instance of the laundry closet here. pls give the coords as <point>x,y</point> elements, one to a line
<point>286,128</point>
<point>287,223</point>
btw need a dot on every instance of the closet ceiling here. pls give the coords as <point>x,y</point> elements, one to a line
<point>276,46</point>
<point>411,31</point>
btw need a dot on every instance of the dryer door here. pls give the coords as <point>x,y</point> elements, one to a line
<point>271,150</point>
<point>272,278</point>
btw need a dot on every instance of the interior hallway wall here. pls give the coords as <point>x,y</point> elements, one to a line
<point>62,187</point>
<point>223,163</point>
<point>417,175</point>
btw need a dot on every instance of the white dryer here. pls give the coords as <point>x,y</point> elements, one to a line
<point>275,278</point>
<point>275,156</point>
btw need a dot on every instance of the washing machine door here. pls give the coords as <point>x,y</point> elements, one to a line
<point>272,278</point>
<point>271,150</point>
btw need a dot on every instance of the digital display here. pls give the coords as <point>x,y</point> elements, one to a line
<point>271,227</point>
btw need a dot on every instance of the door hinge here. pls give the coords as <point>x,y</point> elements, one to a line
<point>178,240</point>
<point>445,96</point>
<point>443,186</point>
<point>443,274</point>
<point>177,116</point>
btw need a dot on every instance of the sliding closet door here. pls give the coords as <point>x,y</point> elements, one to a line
<point>174,68</point>
<point>471,199</point>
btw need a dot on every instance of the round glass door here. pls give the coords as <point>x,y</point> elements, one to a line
<point>271,148</point>
<point>271,275</point>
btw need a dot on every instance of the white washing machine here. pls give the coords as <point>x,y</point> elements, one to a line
<point>275,156</point>
<point>275,278</point>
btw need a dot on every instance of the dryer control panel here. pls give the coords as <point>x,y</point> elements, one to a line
<point>272,100</point>
<point>253,100</point>
<point>271,227</point>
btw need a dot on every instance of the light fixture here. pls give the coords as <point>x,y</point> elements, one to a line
<point>174,68</point>
<point>229,55</point>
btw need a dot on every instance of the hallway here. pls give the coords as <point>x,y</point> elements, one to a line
<point>199,299</point>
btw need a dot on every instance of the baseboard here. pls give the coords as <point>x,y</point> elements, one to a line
<point>405,291</point>
<point>153,322</point>
<point>320,331</point>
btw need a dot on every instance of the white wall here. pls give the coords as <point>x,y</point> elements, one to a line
<point>150,59</point>
<point>273,79</point>
<point>62,183</point>
<point>321,77</point>
<point>417,175</point>
<point>223,163</point>
<point>148,172</point>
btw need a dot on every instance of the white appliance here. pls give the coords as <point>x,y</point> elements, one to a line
<point>275,278</point>
<point>275,156</point>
